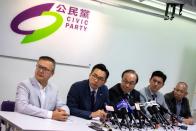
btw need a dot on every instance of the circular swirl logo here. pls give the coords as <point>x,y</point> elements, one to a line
<point>35,35</point>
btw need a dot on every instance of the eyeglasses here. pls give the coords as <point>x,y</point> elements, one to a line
<point>127,82</point>
<point>180,91</point>
<point>95,76</point>
<point>42,68</point>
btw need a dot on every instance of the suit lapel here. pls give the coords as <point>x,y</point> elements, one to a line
<point>36,87</point>
<point>87,96</point>
<point>148,94</point>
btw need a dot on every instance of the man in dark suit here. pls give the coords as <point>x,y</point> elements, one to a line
<point>125,89</point>
<point>87,98</point>
<point>178,103</point>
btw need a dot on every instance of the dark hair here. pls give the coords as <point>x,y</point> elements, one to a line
<point>101,67</point>
<point>159,74</point>
<point>130,71</point>
<point>48,59</point>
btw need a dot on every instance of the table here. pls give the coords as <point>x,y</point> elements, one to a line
<point>21,122</point>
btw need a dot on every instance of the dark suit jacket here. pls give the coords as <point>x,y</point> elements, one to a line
<point>116,95</point>
<point>171,102</point>
<point>79,99</point>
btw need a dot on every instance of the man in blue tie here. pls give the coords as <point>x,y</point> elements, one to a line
<point>87,98</point>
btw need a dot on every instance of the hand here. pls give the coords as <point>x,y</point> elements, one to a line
<point>99,113</point>
<point>59,109</point>
<point>59,114</point>
<point>188,121</point>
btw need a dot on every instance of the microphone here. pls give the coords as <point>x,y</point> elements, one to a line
<point>139,115</point>
<point>140,109</point>
<point>111,110</point>
<point>173,116</point>
<point>148,107</point>
<point>130,112</point>
<point>123,108</point>
<point>161,118</point>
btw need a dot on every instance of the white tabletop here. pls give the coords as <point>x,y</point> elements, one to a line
<point>30,123</point>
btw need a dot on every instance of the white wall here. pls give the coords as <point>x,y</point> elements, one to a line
<point>14,71</point>
<point>131,40</point>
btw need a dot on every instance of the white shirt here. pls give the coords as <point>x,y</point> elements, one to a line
<point>43,98</point>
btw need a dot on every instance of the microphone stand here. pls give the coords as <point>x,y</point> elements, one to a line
<point>148,119</point>
<point>116,121</point>
<point>125,116</point>
<point>131,113</point>
<point>138,115</point>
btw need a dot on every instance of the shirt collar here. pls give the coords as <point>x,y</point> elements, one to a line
<point>151,91</point>
<point>91,89</point>
<point>40,86</point>
<point>178,102</point>
<point>152,95</point>
<point>127,93</point>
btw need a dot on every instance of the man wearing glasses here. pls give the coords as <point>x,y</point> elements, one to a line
<point>87,98</point>
<point>37,97</point>
<point>125,89</point>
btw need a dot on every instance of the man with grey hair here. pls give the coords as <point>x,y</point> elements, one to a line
<point>179,104</point>
<point>36,96</point>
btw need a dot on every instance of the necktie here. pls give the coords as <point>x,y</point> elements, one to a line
<point>129,99</point>
<point>154,97</point>
<point>126,96</point>
<point>92,100</point>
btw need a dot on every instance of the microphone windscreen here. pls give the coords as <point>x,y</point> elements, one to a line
<point>150,110</point>
<point>109,108</point>
<point>122,104</point>
<point>137,106</point>
<point>155,109</point>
